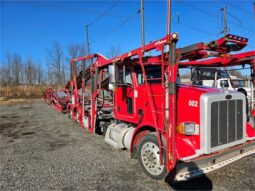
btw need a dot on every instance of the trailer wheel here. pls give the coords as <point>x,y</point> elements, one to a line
<point>148,157</point>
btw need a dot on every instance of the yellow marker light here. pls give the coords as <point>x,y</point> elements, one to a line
<point>180,128</point>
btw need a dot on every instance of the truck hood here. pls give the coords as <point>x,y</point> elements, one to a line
<point>201,89</point>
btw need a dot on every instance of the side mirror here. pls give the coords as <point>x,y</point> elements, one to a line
<point>112,76</point>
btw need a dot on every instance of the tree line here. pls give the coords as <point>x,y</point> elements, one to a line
<point>15,70</point>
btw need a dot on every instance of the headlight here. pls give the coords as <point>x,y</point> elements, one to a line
<point>188,128</point>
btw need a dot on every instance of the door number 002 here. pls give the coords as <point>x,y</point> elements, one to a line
<point>193,103</point>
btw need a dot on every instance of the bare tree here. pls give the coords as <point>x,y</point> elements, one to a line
<point>12,69</point>
<point>17,65</point>
<point>3,74</point>
<point>49,79</point>
<point>76,50</point>
<point>83,50</point>
<point>8,70</point>
<point>114,51</point>
<point>15,72</point>
<point>56,63</point>
<point>39,74</point>
<point>73,51</point>
<point>29,71</point>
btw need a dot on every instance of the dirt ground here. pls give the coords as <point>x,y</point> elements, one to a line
<point>42,149</point>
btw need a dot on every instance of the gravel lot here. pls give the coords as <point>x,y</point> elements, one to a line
<point>41,149</point>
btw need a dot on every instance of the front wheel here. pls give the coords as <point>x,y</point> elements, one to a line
<point>148,157</point>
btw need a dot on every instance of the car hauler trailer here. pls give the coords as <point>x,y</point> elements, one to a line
<point>184,131</point>
<point>57,99</point>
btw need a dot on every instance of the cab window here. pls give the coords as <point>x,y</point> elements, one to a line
<point>124,76</point>
<point>153,74</point>
<point>224,84</point>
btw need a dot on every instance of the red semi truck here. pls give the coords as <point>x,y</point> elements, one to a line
<point>182,131</point>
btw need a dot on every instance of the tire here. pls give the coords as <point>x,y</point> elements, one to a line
<point>148,157</point>
<point>105,129</point>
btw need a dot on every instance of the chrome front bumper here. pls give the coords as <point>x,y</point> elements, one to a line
<point>200,167</point>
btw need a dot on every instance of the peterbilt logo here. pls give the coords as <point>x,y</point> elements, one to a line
<point>228,96</point>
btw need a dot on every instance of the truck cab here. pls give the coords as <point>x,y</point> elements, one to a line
<point>211,77</point>
<point>219,78</point>
<point>205,124</point>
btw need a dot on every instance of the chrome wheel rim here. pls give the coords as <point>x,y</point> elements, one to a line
<point>150,158</point>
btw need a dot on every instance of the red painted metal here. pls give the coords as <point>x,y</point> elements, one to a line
<point>149,110</point>
<point>58,99</point>
<point>48,95</point>
<point>224,60</point>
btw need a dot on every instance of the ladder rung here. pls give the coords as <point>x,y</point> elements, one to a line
<point>156,95</point>
<point>158,112</point>
<point>153,79</point>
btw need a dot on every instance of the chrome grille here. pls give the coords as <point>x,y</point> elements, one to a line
<point>226,122</point>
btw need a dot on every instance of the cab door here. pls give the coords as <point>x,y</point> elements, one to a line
<point>124,95</point>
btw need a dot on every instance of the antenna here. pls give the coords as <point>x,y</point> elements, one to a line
<point>224,13</point>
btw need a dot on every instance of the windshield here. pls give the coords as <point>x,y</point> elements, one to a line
<point>238,83</point>
<point>222,74</point>
<point>208,74</point>
<point>153,74</point>
<point>224,84</point>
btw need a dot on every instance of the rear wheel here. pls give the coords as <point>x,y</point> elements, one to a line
<point>148,157</point>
